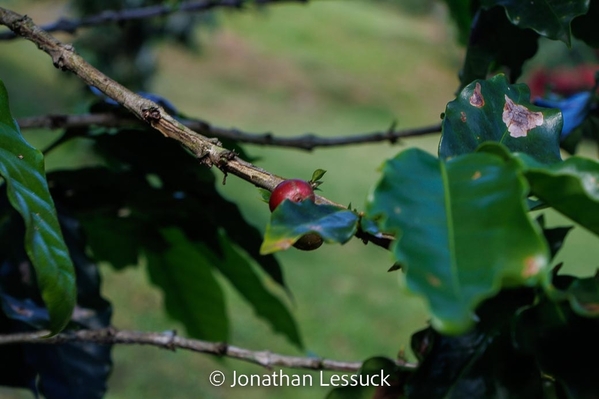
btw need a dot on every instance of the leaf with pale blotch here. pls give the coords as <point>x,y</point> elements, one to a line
<point>549,18</point>
<point>463,230</point>
<point>22,168</point>
<point>291,220</point>
<point>493,110</point>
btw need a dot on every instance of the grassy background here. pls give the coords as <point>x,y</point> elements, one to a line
<point>331,68</point>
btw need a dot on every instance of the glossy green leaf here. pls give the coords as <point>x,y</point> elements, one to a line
<point>493,110</point>
<point>192,294</point>
<point>549,18</point>
<point>22,168</point>
<point>291,220</point>
<point>236,268</point>
<point>496,44</point>
<point>463,230</point>
<point>570,187</point>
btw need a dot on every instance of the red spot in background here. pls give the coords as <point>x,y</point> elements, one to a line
<point>564,81</point>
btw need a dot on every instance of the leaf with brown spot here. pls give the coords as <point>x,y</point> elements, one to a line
<point>477,99</point>
<point>503,114</point>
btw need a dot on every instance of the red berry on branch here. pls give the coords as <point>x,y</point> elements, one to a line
<point>294,190</point>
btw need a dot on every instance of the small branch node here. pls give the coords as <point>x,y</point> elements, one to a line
<point>151,115</point>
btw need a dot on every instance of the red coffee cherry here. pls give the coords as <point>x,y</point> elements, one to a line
<point>294,190</point>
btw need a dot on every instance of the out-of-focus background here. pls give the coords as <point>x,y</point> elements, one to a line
<point>327,67</point>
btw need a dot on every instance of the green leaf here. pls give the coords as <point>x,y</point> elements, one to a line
<point>317,175</point>
<point>549,18</point>
<point>264,194</point>
<point>22,168</point>
<point>585,26</point>
<point>554,236</point>
<point>291,220</point>
<point>192,295</point>
<point>236,268</point>
<point>570,187</point>
<point>583,295</point>
<point>463,231</point>
<point>495,43</point>
<point>564,344</point>
<point>493,110</point>
<point>379,377</point>
<point>482,363</point>
<point>188,197</point>
<point>460,11</point>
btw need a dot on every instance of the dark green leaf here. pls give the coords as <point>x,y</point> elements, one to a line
<point>114,240</point>
<point>555,236</point>
<point>68,370</point>
<point>461,12</point>
<point>496,43</point>
<point>585,26</point>
<point>564,344</point>
<point>188,197</point>
<point>378,378</point>
<point>438,210</point>
<point>549,18</point>
<point>480,364</point>
<point>192,295</point>
<point>22,168</point>
<point>291,220</point>
<point>492,110</point>
<point>583,294</point>
<point>236,268</point>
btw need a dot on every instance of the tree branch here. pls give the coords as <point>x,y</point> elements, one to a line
<point>208,151</point>
<point>113,16</point>
<point>304,142</point>
<point>170,340</point>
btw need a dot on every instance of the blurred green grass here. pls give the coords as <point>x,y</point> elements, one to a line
<point>331,68</point>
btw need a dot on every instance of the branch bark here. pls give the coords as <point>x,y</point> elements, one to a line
<point>112,16</point>
<point>306,142</point>
<point>207,150</point>
<point>170,340</point>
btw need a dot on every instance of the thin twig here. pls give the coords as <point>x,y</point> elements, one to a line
<point>170,340</point>
<point>208,150</point>
<point>119,16</point>
<point>304,142</point>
